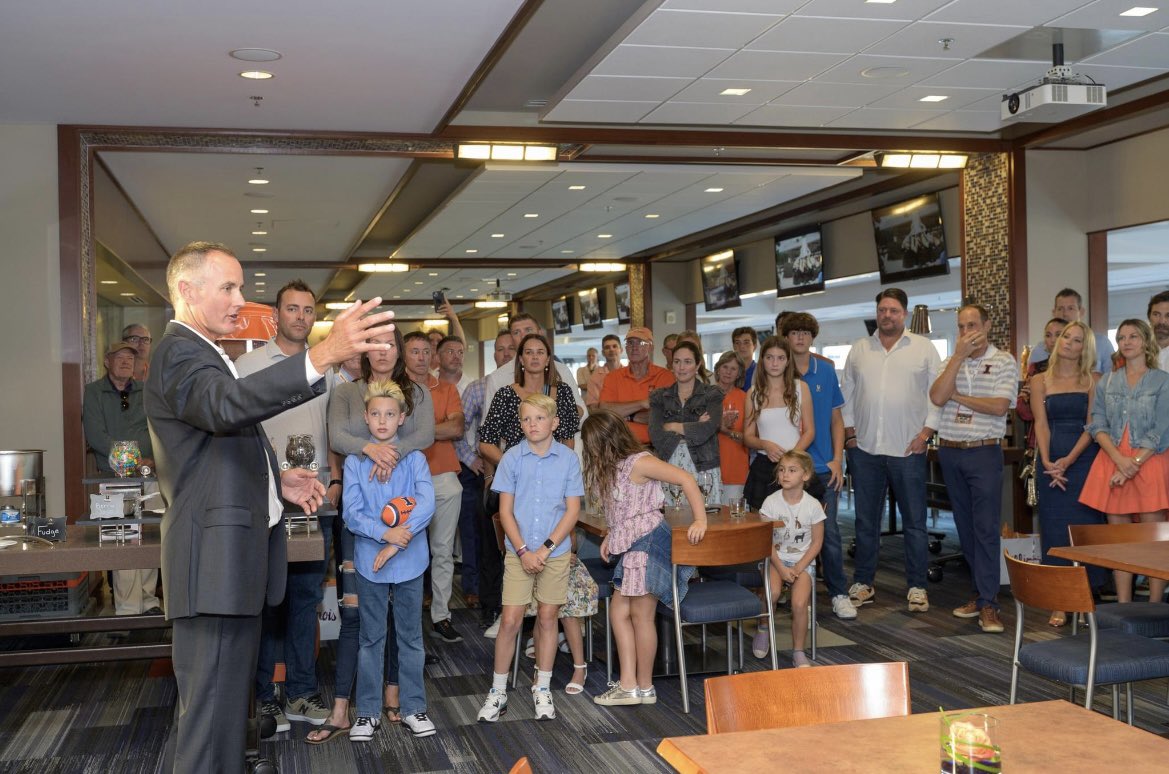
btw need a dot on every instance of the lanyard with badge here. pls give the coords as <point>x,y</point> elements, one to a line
<point>965,414</point>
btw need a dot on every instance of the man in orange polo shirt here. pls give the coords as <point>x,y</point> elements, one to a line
<point>444,471</point>
<point>626,390</point>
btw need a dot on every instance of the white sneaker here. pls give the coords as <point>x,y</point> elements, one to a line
<point>861,594</point>
<point>493,630</point>
<point>494,707</point>
<point>843,607</point>
<point>919,601</point>
<point>363,729</point>
<point>419,724</point>
<point>545,709</point>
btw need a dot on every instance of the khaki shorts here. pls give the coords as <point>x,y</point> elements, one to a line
<point>547,587</point>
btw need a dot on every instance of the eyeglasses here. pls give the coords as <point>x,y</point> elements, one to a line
<point>138,339</point>
<point>638,343</point>
<point>125,399</point>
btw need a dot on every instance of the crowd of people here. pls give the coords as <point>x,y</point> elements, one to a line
<point>416,454</point>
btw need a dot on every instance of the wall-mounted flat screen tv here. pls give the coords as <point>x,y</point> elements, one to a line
<point>720,281</point>
<point>591,313</point>
<point>799,262</point>
<point>910,240</point>
<point>561,316</point>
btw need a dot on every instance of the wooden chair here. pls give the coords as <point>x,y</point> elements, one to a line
<point>803,697</point>
<point>1108,657</point>
<point>721,601</point>
<point>1148,619</point>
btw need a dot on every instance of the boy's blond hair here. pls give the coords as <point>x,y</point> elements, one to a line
<point>801,457</point>
<point>542,402</point>
<point>385,389</point>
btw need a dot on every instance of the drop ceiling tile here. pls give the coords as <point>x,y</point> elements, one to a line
<point>1119,77</point>
<point>1147,51</point>
<point>627,88</point>
<point>988,74</point>
<point>1031,13</point>
<point>791,115</point>
<point>909,10</point>
<point>1105,15</point>
<point>828,36</point>
<point>910,98</point>
<point>663,61</point>
<point>924,39</point>
<point>700,29</point>
<point>850,95</point>
<point>964,121</point>
<point>874,118</point>
<point>710,90</point>
<point>736,6</point>
<point>773,65</point>
<point>883,70</point>
<point>596,111</point>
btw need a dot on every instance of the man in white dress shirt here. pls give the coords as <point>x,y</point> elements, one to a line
<point>888,420</point>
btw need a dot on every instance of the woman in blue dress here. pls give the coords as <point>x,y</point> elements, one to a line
<point>1061,399</point>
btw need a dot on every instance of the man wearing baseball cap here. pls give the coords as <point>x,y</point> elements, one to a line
<point>626,390</point>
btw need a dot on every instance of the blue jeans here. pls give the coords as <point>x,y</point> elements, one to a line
<point>346,648</point>
<point>974,481</point>
<point>831,556</point>
<point>872,476</point>
<point>289,631</point>
<point>472,504</point>
<point>373,601</point>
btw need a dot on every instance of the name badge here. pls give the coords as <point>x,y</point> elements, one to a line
<point>964,416</point>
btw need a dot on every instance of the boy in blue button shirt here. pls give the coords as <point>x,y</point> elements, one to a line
<point>540,487</point>
<point>389,561</point>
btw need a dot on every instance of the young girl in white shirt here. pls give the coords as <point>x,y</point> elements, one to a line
<point>779,417</point>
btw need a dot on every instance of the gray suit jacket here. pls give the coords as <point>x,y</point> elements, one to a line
<point>218,555</point>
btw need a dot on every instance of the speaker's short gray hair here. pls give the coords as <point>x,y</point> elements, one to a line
<point>188,261</point>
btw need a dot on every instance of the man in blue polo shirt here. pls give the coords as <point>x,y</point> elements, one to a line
<point>827,449</point>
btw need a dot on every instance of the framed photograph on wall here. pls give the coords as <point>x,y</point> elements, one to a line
<point>561,316</point>
<point>624,315</point>
<point>590,309</point>
<point>799,262</point>
<point>910,240</point>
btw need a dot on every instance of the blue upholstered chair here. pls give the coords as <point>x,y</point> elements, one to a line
<point>719,601</point>
<point>1107,657</point>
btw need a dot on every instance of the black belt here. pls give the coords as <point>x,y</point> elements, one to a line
<point>969,444</point>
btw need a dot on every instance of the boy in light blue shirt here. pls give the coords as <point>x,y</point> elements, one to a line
<point>540,487</point>
<point>389,560</point>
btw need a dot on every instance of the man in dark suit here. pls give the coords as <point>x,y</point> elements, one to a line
<point>222,550</point>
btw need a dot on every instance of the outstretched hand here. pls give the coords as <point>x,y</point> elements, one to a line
<point>301,486</point>
<point>350,335</point>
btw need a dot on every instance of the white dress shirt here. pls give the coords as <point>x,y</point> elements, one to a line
<point>886,392</point>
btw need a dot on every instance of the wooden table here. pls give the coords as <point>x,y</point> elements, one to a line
<point>678,519</point>
<point>1042,736</point>
<point>1151,558</point>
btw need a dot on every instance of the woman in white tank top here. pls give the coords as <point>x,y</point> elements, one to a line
<point>776,421</point>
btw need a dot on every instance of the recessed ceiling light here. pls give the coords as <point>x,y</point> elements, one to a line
<point>604,236</point>
<point>531,214</point>
<point>714,190</point>
<point>407,290</point>
<point>470,252</point>
<point>474,290</point>
<point>259,212</point>
<point>733,92</point>
<point>576,188</point>
<point>256,75</point>
<point>261,274</point>
<point>1138,11</point>
<point>397,296</point>
<point>259,233</point>
<point>125,294</point>
<point>255,55</point>
<point>884,72</point>
<point>881,2</point>
<point>934,98</point>
<point>568,252</point>
<point>497,236</point>
<point>653,215</point>
<point>511,274</point>
<point>419,282</point>
<point>260,283</point>
<point>432,273</point>
<point>459,295</point>
<point>259,249</point>
<point>109,282</point>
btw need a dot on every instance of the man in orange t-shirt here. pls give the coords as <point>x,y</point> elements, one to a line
<point>444,470</point>
<point>626,390</point>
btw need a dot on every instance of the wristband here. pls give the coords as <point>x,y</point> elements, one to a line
<point>336,481</point>
<point>521,550</point>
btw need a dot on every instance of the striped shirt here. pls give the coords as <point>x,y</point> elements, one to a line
<point>467,447</point>
<point>994,375</point>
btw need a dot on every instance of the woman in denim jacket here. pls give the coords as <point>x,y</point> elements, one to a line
<point>1130,420</point>
<point>683,422</point>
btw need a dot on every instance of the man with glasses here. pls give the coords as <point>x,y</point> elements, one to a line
<point>626,390</point>
<point>139,335</point>
<point>112,411</point>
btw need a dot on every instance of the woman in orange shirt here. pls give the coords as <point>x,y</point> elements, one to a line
<point>728,377</point>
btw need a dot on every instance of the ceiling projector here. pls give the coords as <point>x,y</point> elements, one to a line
<point>1061,94</point>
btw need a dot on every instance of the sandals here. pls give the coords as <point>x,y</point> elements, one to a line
<point>331,732</point>
<point>393,714</point>
<point>574,687</point>
<point>530,646</point>
<point>1058,619</point>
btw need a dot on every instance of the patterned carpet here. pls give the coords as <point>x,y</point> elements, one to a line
<point>113,718</point>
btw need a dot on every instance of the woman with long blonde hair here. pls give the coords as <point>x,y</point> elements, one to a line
<point>776,421</point>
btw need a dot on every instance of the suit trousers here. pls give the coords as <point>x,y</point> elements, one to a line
<point>214,660</point>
